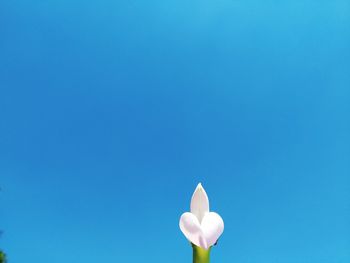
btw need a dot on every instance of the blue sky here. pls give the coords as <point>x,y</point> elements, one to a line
<point>111,112</point>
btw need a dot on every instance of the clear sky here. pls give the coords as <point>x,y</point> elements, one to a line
<point>111,112</point>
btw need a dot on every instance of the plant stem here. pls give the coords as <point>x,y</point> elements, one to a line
<point>200,255</point>
<point>2,257</point>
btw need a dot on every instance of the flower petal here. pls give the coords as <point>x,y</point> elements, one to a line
<point>199,203</point>
<point>212,227</point>
<point>191,228</point>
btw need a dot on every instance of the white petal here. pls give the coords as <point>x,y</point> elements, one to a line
<point>199,203</point>
<point>191,228</point>
<point>212,227</point>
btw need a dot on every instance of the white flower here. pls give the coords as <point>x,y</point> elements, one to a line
<point>201,227</point>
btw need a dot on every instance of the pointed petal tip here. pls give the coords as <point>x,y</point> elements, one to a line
<point>199,187</point>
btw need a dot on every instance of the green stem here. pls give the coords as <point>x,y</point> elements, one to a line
<point>200,255</point>
<point>2,257</point>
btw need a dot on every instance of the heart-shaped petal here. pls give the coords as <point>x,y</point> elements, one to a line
<point>212,227</point>
<point>191,228</point>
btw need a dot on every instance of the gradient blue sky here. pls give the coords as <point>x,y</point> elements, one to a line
<point>111,112</point>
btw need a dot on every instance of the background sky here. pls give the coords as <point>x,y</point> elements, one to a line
<point>111,112</point>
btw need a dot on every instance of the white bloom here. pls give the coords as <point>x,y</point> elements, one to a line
<point>201,227</point>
